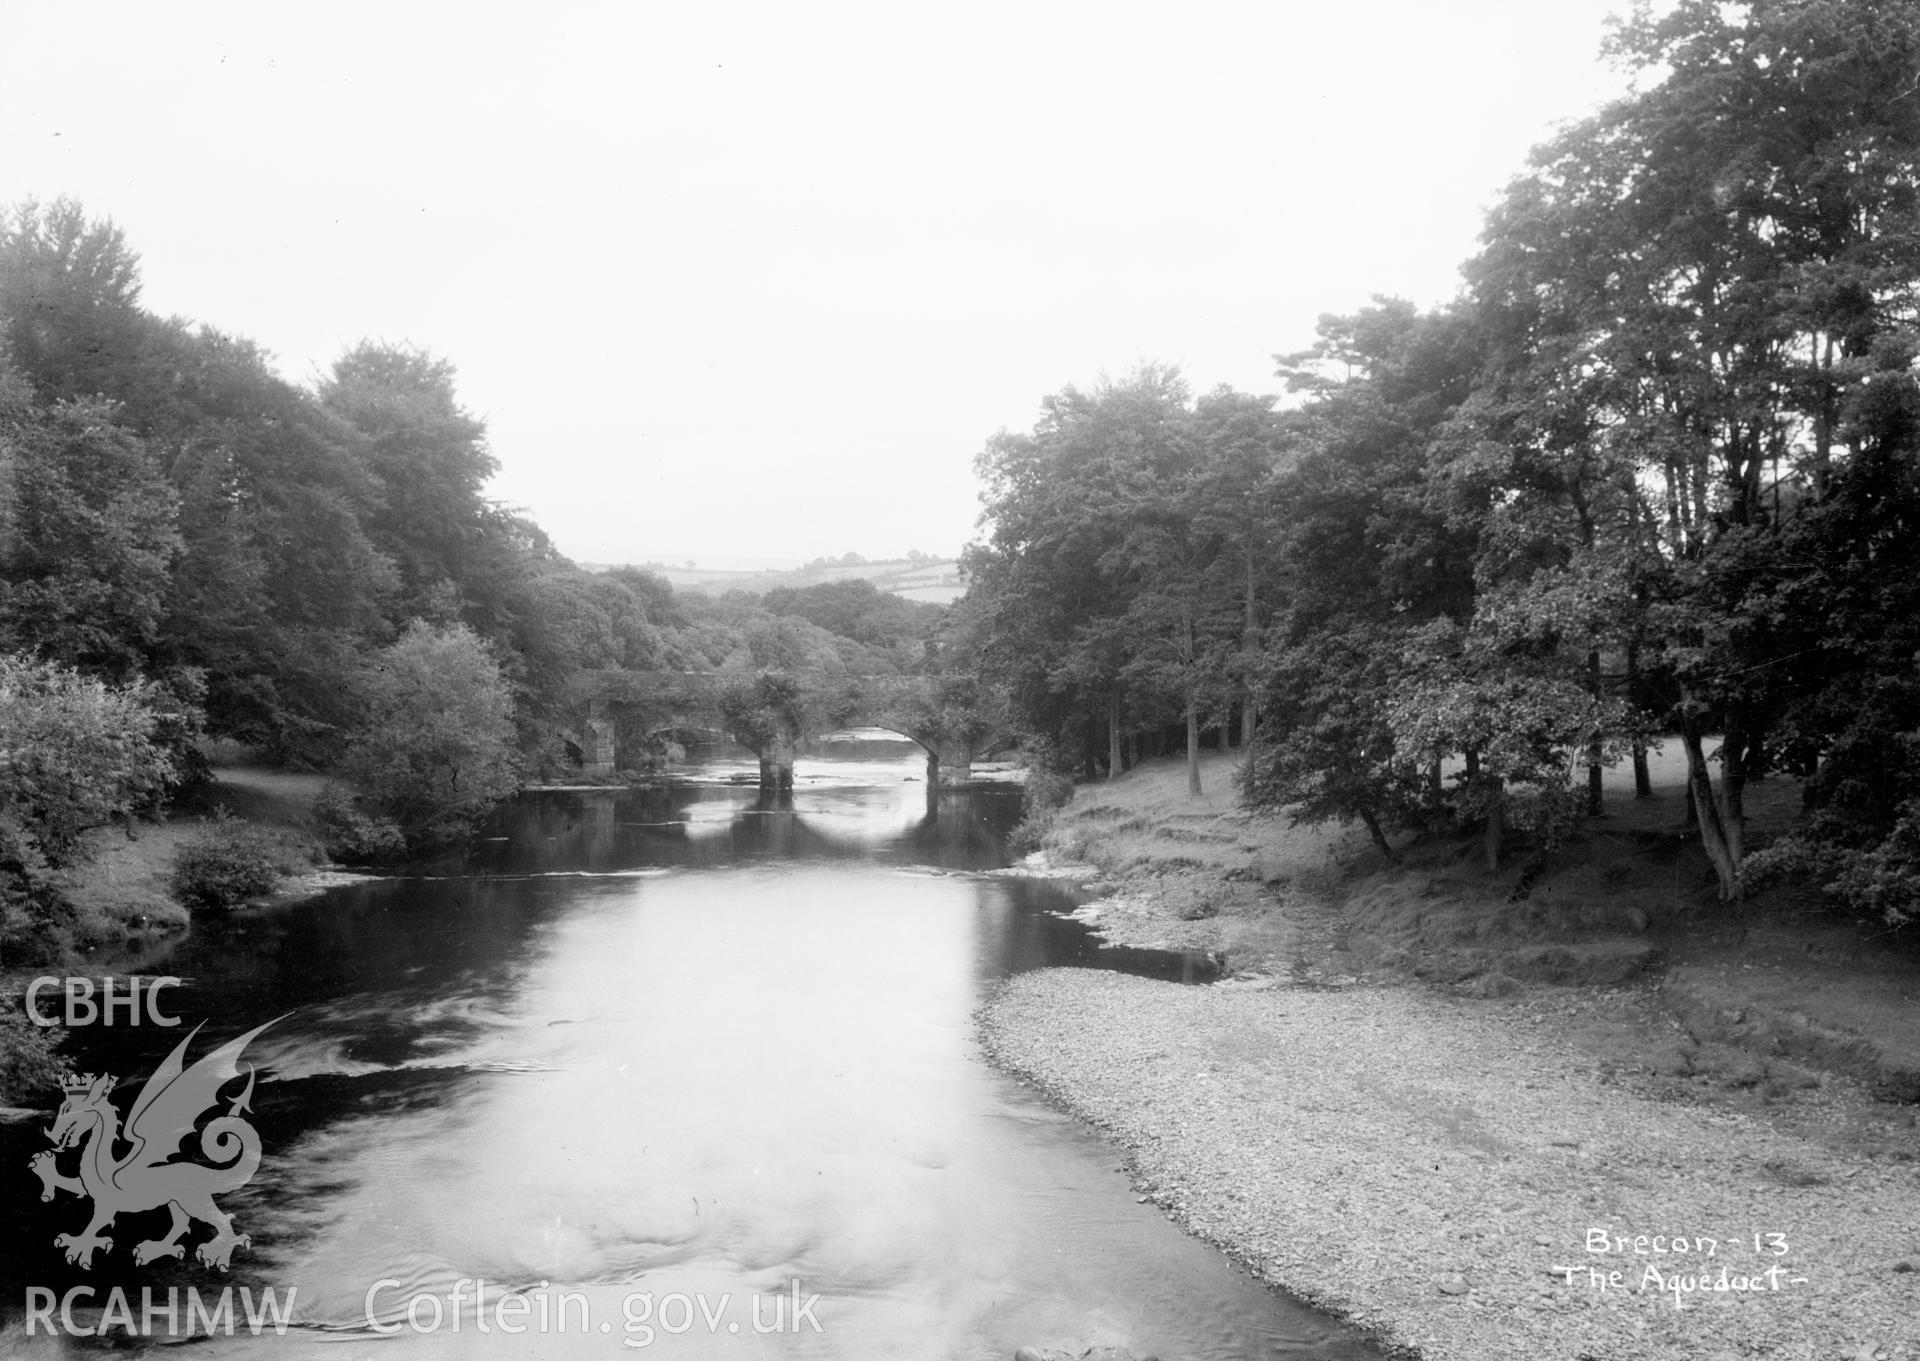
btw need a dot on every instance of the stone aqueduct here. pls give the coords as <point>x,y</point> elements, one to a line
<point>773,713</point>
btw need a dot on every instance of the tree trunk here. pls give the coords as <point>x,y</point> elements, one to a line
<point>1733,790</point>
<point>1676,519</point>
<point>1193,747</point>
<point>1496,821</point>
<point>1114,764</point>
<point>1702,515</point>
<point>1823,418</point>
<point>1723,853</point>
<point>1249,649</point>
<point>1642,777</point>
<point>1594,750</point>
<point>1379,836</point>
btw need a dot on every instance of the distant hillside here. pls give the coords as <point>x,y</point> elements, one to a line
<point>931,579</point>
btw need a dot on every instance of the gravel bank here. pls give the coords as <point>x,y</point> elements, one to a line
<point>1434,1171</point>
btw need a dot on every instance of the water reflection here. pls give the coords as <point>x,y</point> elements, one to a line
<point>714,825</point>
<point>676,1041</point>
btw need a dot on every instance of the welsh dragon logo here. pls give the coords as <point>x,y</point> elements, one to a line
<point>164,1113</point>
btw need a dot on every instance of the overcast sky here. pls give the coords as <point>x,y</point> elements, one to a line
<point>753,283</point>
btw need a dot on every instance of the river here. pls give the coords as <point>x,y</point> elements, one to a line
<point>646,1063</point>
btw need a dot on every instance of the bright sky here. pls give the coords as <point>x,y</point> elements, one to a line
<point>753,283</point>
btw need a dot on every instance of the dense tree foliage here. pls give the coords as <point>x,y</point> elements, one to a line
<point>319,572</point>
<point>1120,577</point>
<point>1700,318</point>
<point>176,510</point>
<point>1651,475</point>
<point>859,610</point>
<point>437,749</point>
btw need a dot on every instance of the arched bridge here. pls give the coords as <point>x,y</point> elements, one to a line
<point>773,712</point>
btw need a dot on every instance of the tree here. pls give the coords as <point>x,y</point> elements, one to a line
<point>1328,750</point>
<point>277,589</point>
<point>1245,447</point>
<point>1712,264</point>
<point>1508,694</point>
<point>855,608</point>
<point>69,302</point>
<point>1370,549</point>
<point>1053,581</point>
<point>75,753</point>
<point>654,593</point>
<point>436,752</point>
<point>89,538</point>
<point>1846,633</point>
<point>1180,629</point>
<point>429,459</point>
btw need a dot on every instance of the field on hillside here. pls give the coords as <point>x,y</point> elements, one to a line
<point>936,580</point>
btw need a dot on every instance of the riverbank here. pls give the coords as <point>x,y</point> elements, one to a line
<point>1409,1107</point>
<point>124,893</point>
<point>121,910</point>
<point>1434,1172</point>
<point>124,908</point>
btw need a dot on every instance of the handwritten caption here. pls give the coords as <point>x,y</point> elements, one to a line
<point>1682,1265</point>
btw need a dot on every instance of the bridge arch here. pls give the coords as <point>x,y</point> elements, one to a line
<point>916,708</point>
<point>938,770</point>
<point>686,726</point>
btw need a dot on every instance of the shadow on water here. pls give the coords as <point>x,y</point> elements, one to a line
<point>676,1041</point>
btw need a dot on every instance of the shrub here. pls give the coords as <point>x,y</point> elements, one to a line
<point>227,864</point>
<point>75,753</point>
<point>27,1062</point>
<point>1042,797</point>
<point>436,753</point>
<point>352,834</point>
<point>1876,876</point>
<point>36,920</point>
<point>1192,902</point>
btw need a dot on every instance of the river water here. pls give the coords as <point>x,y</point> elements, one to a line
<point>680,1073</point>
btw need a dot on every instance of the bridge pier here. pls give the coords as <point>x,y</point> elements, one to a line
<point>949,764</point>
<point>599,754</point>
<point>776,762</point>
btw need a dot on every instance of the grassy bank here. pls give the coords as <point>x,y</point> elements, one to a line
<point>124,894</point>
<point>1420,1090</point>
<point>124,904</point>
